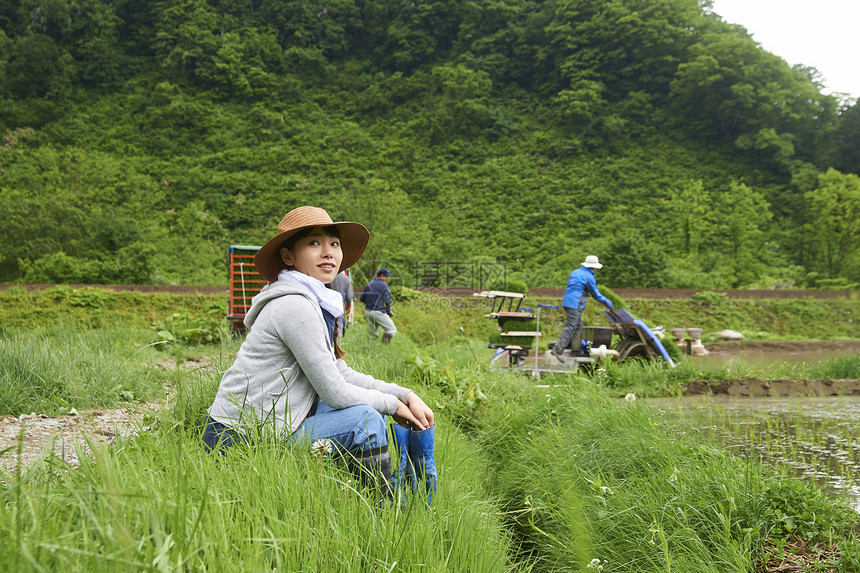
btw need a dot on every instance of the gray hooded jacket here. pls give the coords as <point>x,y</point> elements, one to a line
<point>286,361</point>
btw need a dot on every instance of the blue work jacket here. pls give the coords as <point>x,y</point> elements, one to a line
<point>580,285</point>
<point>376,296</point>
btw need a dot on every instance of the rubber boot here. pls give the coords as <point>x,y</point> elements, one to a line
<point>405,474</point>
<point>373,469</point>
<point>556,351</point>
<point>386,338</point>
<point>421,453</point>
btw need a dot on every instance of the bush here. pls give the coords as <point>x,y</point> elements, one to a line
<point>710,298</point>
<point>59,268</point>
<point>186,328</point>
<point>401,293</point>
<point>508,285</point>
<point>794,507</point>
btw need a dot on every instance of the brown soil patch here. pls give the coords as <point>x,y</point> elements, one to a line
<point>759,387</point>
<point>795,554</point>
<point>63,436</point>
<point>66,436</point>
<point>783,346</point>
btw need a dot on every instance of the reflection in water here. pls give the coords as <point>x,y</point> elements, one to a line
<point>818,437</point>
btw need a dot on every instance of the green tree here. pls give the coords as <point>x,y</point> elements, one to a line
<point>583,105</point>
<point>729,89</point>
<point>383,208</point>
<point>632,261</point>
<point>325,26</point>
<point>179,236</point>
<point>834,209</point>
<point>417,33</point>
<point>186,39</point>
<point>462,97</point>
<point>242,63</point>
<point>628,45</point>
<point>36,67</point>
<point>846,151</point>
<point>689,217</point>
<point>739,233</point>
<point>507,39</point>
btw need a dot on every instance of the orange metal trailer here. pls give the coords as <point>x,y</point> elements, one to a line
<point>245,283</point>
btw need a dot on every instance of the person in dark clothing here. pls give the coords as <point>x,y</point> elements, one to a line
<point>580,285</point>
<point>342,283</point>
<point>377,306</point>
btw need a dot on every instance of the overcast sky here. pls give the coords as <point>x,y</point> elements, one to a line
<point>822,34</point>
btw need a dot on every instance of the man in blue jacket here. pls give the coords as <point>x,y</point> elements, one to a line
<point>580,285</point>
<point>377,306</point>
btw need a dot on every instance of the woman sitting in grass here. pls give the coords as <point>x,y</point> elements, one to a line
<point>289,377</point>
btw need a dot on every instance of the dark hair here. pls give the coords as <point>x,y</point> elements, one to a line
<point>290,243</point>
<point>338,351</point>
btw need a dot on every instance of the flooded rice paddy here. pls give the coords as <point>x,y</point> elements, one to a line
<point>818,437</point>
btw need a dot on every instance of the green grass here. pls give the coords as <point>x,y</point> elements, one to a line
<point>841,367</point>
<point>55,370</point>
<point>158,502</point>
<point>592,477</point>
<point>532,478</point>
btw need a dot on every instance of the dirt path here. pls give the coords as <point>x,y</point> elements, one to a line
<point>760,387</point>
<point>62,436</point>
<point>783,346</point>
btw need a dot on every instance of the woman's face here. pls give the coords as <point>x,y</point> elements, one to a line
<point>317,255</point>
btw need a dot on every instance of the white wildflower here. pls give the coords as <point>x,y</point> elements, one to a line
<point>595,564</point>
<point>322,447</point>
<point>654,529</point>
<point>630,397</point>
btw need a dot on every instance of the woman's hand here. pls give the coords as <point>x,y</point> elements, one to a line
<point>405,417</point>
<point>416,414</point>
<point>420,410</point>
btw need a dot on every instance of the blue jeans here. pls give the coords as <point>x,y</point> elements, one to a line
<point>355,429</point>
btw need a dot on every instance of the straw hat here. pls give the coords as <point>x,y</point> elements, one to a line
<point>353,238</point>
<point>592,262</point>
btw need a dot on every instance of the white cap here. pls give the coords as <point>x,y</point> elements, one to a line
<point>591,262</point>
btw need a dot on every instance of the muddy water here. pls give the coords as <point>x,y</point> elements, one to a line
<point>764,355</point>
<point>818,437</point>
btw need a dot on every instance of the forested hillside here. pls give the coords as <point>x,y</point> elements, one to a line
<point>142,138</point>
